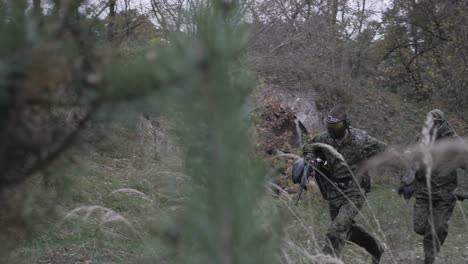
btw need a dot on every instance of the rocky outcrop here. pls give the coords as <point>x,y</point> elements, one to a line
<point>301,102</point>
<point>284,117</point>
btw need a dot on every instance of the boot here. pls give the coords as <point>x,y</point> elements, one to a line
<point>371,244</point>
<point>378,254</point>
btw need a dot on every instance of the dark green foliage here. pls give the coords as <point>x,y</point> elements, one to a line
<point>220,223</point>
<point>426,50</point>
<point>197,79</point>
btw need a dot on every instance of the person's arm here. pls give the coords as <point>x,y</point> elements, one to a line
<point>373,146</point>
<point>407,187</point>
<point>308,152</point>
<point>461,192</point>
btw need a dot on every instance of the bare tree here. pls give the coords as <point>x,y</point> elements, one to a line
<point>170,14</point>
<point>111,18</point>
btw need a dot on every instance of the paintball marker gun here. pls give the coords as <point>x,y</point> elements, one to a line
<point>301,171</point>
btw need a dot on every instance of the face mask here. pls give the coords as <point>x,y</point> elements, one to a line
<point>337,130</point>
<point>438,123</point>
<point>439,127</point>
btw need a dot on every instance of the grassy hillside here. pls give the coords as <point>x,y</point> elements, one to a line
<point>395,120</point>
<point>119,194</point>
<point>389,217</point>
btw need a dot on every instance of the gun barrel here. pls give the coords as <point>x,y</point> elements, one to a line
<point>299,194</point>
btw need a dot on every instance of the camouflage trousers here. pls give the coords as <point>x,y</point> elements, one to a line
<point>343,229</point>
<point>434,227</point>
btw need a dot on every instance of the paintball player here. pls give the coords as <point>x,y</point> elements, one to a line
<point>344,192</point>
<point>441,194</point>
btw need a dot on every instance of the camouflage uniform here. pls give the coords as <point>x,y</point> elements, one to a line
<point>442,187</point>
<point>345,195</point>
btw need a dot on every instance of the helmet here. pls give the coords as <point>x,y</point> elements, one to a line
<point>337,122</point>
<point>439,120</point>
<point>337,114</point>
<point>437,115</point>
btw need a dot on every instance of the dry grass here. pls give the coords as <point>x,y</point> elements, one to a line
<point>149,192</point>
<point>131,192</point>
<point>105,215</point>
<point>303,256</point>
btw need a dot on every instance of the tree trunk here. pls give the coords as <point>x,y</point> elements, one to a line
<point>362,16</point>
<point>414,36</point>
<point>37,9</point>
<point>111,24</point>
<point>127,20</point>
<point>333,11</point>
<point>355,70</point>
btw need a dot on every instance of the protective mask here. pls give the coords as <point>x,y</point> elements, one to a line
<point>337,130</point>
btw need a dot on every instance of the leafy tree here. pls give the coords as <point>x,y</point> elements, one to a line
<point>426,49</point>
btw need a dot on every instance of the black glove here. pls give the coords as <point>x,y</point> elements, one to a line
<point>406,191</point>
<point>460,193</point>
<point>458,197</point>
<point>297,170</point>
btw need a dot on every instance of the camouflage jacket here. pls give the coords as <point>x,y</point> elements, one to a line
<point>355,148</point>
<point>444,179</point>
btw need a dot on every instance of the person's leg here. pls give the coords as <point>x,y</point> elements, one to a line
<point>331,243</point>
<point>340,228</point>
<point>421,226</point>
<point>437,229</point>
<point>420,216</point>
<point>370,243</point>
